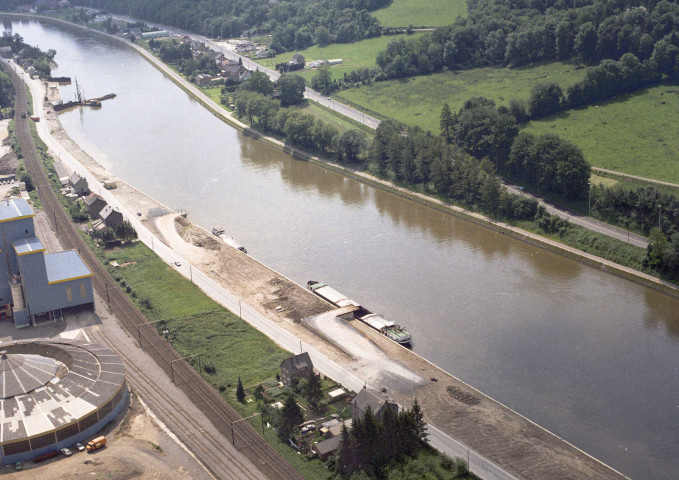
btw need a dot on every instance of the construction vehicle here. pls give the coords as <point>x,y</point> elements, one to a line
<point>96,444</point>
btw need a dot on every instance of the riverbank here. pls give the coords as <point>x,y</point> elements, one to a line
<point>501,227</point>
<point>492,430</point>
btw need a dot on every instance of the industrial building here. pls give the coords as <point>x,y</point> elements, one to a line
<point>35,285</point>
<point>54,394</point>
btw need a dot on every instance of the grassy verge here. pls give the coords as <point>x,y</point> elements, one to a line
<point>634,134</point>
<point>418,100</point>
<point>432,13</point>
<point>197,324</point>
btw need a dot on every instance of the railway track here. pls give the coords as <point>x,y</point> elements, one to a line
<point>204,396</point>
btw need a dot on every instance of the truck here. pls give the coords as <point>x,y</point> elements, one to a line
<point>96,444</point>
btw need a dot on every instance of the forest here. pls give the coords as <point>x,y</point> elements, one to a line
<point>293,24</point>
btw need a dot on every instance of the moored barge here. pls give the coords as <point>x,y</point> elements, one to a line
<point>389,329</point>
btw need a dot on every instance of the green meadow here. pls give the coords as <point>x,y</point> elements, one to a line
<point>354,55</point>
<point>433,13</point>
<point>634,134</point>
<point>418,100</point>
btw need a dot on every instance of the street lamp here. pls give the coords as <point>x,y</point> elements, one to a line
<point>659,214</point>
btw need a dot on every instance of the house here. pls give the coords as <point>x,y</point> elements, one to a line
<point>94,204</point>
<point>297,59</point>
<point>111,217</point>
<point>299,366</point>
<point>202,79</point>
<point>78,183</point>
<point>232,70</point>
<point>6,52</point>
<point>327,447</point>
<point>62,173</point>
<point>377,402</point>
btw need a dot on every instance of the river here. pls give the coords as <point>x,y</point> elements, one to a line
<point>587,355</point>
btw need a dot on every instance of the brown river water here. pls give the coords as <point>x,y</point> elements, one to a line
<point>587,355</point>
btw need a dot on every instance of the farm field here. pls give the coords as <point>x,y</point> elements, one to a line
<point>634,134</point>
<point>354,55</point>
<point>418,100</point>
<point>433,13</point>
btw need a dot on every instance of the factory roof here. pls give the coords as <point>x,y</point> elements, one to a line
<point>64,266</point>
<point>48,385</point>
<point>26,246</point>
<point>14,209</point>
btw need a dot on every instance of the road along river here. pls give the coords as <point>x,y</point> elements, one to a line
<point>589,356</point>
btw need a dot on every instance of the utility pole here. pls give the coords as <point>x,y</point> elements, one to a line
<point>139,329</point>
<point>659,214</point>
<point>177,359</point>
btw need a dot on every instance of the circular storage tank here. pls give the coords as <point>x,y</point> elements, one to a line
<point>56,393</point>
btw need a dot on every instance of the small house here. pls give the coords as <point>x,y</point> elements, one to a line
<point>299,366</point>
<point>111,217</point>
<point>202,79</point>
<point>377,402</point>
<point>78,183</point>
<point>94,204</point>
<point>297,59</point>
<point>6,52</point>
<point>327,447</point>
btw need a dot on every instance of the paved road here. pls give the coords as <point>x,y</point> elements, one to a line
<point>347,111</point>
<point>583,220</point>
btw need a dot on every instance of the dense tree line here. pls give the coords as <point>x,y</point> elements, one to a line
<point>499,32</point>
<point>639,209</point>
<point>254,102</point>
<point>547,162</point>
<point>372,442</point>
<point>424,161</point>
<point>294,24</point>
<point>663,254</point>
<point>6,91</point>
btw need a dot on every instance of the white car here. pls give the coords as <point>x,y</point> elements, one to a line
<point>80,446</point>
<point>66,452</point>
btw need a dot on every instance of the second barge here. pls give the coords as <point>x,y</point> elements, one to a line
<point>389,329</point>
<point>219,232</point>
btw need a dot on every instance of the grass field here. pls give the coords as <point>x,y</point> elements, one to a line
<point>354,55</point>
<point>433,13</point>
<point>634,134</point>
<point>418,100</point>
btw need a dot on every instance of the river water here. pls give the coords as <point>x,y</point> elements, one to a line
<point>589,356</point>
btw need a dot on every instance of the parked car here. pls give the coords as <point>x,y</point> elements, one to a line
<point>66,452</point>
<point>80,446</point>
<point>19,466</point>
<point>178,263</point>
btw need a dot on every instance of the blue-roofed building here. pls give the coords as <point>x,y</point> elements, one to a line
<point>35,285</point>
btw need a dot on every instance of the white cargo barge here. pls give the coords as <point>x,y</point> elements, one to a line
<point>388,328</point>
<point>219,232</point>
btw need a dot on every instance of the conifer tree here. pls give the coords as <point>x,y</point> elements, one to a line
<point>240,392</point>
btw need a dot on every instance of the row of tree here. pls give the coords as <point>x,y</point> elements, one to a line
<point>255,102</point>
<point>293,24</point>
<point>372,442</point>
<point>512,33</point>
